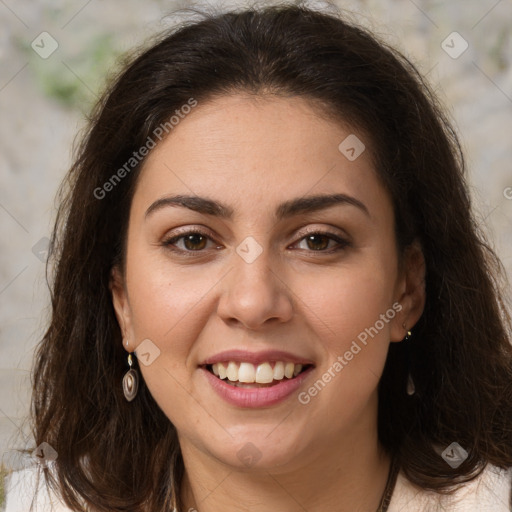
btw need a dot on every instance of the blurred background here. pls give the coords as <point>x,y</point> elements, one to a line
<point>55,57</point>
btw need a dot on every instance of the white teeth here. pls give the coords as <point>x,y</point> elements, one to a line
<point>279,370</point>
<point>288,370</point>
<point>222,370</point>
<point>261,374</point>
<point>232,371</point>
<point>246,372</point>
<point>264,373</point>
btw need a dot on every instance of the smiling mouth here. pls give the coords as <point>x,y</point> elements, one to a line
<point>247,375</point>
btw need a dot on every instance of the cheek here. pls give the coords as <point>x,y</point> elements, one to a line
<point>351,311</point>
<point>348,300</point>
<point>166,304</point>
<point>164,297</point>
<point>168,308</point>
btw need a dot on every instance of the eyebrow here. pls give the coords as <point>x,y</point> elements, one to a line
<point>285,210</point>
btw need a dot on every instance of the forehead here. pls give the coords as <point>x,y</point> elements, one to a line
<point>254,150</point>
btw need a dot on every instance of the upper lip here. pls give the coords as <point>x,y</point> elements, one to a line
<point>256,357</point>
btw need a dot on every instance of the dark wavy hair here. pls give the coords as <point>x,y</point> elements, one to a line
<point>118,456</point>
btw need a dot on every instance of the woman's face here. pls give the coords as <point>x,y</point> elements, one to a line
<point>270,270</point>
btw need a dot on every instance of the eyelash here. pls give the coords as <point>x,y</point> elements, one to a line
<point>168,243</point>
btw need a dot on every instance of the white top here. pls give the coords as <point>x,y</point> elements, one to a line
<point>490,492</point>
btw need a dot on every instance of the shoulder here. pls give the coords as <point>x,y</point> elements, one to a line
<point>20,491</point>
<point>491,491</point>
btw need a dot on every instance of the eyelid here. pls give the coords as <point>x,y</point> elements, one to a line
<point>190,229</point>
<point>324,231</point>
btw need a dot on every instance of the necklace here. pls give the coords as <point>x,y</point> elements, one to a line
<point>390,486</point>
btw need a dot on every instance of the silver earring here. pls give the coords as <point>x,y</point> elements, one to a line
<point>411,388</point>
<point>130,381</point>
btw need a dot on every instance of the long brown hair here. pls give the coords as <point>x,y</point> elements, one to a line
<point>118,456</point>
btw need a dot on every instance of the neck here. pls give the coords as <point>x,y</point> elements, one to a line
<point>348,471</point>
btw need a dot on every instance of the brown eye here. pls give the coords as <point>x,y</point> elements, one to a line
<point>319,242</point>
<point>191,241</point>
<point>194,242</point>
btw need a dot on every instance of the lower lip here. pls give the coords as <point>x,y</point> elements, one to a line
<point>257,397</point>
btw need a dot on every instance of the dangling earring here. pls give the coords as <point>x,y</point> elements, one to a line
<point>411,388</point>
<point>130,381</point>
<point>409,333</point>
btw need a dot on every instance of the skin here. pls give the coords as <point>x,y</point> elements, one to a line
<point>252,153</point>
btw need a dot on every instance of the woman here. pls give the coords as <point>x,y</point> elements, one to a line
<point>270,292</point>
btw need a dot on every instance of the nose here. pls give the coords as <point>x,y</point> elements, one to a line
<point>254,295</point>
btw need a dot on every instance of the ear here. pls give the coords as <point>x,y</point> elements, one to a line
<point>121,304</point>
<point>410,291</point>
